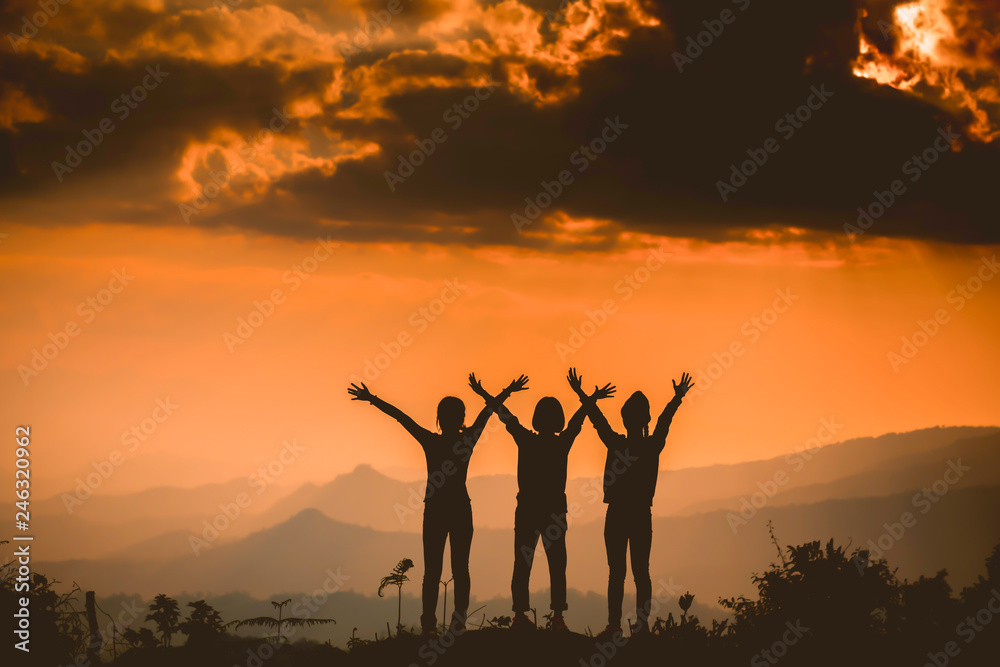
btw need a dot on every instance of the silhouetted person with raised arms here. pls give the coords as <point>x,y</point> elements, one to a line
<point>542,457</point>
<point>447,507</point>
<point>630,472</point>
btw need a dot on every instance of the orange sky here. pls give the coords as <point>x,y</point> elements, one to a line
<point>689,279</point>
<point>163,336</point>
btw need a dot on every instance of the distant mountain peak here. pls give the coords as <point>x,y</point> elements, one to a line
<point>309,515</point>
<point>365,469</point>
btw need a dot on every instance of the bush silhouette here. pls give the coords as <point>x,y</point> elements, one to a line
<point>204,626</point>
<point>58,630</point>
<point>143,638</point>
<point>849,610</point>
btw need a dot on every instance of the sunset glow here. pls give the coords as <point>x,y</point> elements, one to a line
<point>933,48</point>
<point>402,320</point>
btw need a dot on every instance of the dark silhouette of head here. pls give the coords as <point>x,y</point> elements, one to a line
<point>635,414</point>
<point>548,417</point>
<point>451,414</point>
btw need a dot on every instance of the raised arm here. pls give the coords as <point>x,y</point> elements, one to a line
<point>667,416</point>
<point>574,425</point>
<point>588,404</point>
<point>496,403</point>
<point>362,393</point>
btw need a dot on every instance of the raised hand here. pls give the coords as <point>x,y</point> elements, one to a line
<point>477,386</point>
<point>575,382</point>
<point>360,393</point>
<point>603,392</point>
<point>684,386</point>
<point>520,384</point>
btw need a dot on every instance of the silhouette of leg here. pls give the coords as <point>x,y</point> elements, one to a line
<point>435,533</point>
<point>525,539</point>
<point>640,543</point>
<point>555,553</point>
<point>461,543</point>
<point>616,542</point>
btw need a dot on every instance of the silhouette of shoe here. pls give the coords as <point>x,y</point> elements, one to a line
<point>522,622</point>
<point>559,624</point>
<point>609,632</point>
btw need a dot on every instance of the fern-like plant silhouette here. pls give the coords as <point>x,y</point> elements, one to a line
<point>397,578</point>
<point>278,624</point>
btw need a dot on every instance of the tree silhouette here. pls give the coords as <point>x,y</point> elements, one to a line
<point>397,578</point>
<point>165,613</point>
<point>280,622</point>
<point>204,625</point>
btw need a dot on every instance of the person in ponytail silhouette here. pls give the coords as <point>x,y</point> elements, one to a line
<point>630,472</point>
<point>541,496</point>
<point>447,507</point>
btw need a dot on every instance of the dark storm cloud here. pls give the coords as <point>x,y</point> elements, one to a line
<point>684,131</point>
<point>190,100</point>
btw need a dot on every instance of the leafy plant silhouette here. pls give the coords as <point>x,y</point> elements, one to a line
<point>397,578</point>
<point>500,622</point>
<point>58,630</point>
<point>165,613</point>
<point>143,638</point>
<point>204,625</point>
<point>278,623</point>
<point>357,642</point>
<point>685,604</point>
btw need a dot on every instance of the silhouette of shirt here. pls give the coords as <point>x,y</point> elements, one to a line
<point>542,459</point>
<point>632,465</point>
<point>447,455</point>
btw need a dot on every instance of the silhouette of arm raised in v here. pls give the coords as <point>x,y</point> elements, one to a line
<point>667,416</point>
<point>496,403</point>
<point>574,425</point>
<point>588,404</point>
<point>362,393</point>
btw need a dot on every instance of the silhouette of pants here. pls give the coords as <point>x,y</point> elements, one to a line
<point>628,527</point>
<point>446,520</point>
<point>530,523</point>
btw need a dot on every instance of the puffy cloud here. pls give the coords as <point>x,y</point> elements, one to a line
<point>369,91</point>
